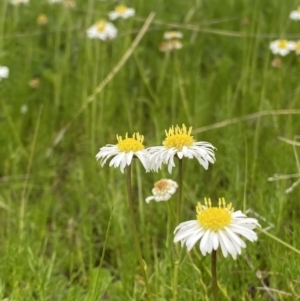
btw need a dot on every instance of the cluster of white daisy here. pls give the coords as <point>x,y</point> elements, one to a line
<point>215,227</point>
<point>171,41</point>
<point>283,47</point>
<point>104,30</point>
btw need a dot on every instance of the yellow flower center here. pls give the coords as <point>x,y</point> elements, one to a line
<point>297,46</point>
<point>214,218</point>
<point>178,137</point>
<point>162,185</point>
<point>133,144</point>
<point>298,8</point>
<point>42,19</point>
<point>121,9</point>
<point>282,44</point>
<point>101,24</point>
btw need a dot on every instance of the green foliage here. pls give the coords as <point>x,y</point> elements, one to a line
<point>65,231</point>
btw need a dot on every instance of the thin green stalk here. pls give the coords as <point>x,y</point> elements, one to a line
<point>24,190</point>
<point>179,191</point>
<point>214,274</point>
<point>135,233</point>
<point>175,277</point>
<point>178,213</point>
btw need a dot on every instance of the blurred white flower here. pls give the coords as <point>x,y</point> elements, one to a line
<point>24,109</point>
<point>18,2</point>
<point>217,226</point>
<point>121,11</point>
<point>124,151</point>
<point>163,190</point>
<point>55,1</point>
<point>276,62</point>
<point>295,14</point>
<point>34,83</point>
<point>4,72</point>
<point>170,45</point>
<point>282,47</point>
<point>102,30</point>
<point>169,35</point>
<point>180,143</point>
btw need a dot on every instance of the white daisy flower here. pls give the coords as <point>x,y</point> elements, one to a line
<point>102,30</point>
<point>217,226</point>
<point>124,151</point>
<point>282,47</point>
<point>169,35</point>
<point>180,143</point>
<point>170,45</point>
<point>295,14</point>
<point>163,190</point>
<point>121,11</point>
<point>18,2</point>
<point>4,72</point>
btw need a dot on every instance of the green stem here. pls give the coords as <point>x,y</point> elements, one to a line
<point>179,191</point>
<point>178,213</point>
<point>135,233</point>
<point>176,266</point>
<point>214,274</point>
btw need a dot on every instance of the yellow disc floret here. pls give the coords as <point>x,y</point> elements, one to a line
<point>282,44</point>
<point>214,218</point>
<point>178,137</point>
<point>133,144</point>
<point>162,185</point>
<point>101,24</point>
<point>121,9</point>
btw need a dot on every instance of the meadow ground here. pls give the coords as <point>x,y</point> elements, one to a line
<point>65,229</point>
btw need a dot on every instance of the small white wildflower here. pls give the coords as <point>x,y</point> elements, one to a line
<point>102,30</point>
<point>180,143</point>
<point>124,151</point>
<point>295,14</point>
<point>121,11</point>
<point>282,47</point>
<point>163,190</point>
<point>24,109</point>
<point>170,35</point>
<point>170,45</point>
<point>4,72</point>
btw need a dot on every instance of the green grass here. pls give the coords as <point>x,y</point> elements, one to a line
<point>65,231</point>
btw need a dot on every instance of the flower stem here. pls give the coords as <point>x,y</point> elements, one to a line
<point>175,249</point>
<point>214,274</point>
<point>175,276</point>
<point>179,191</point>
<point>142,263</point>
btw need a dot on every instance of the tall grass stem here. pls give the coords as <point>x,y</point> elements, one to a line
<point>135,233</point>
